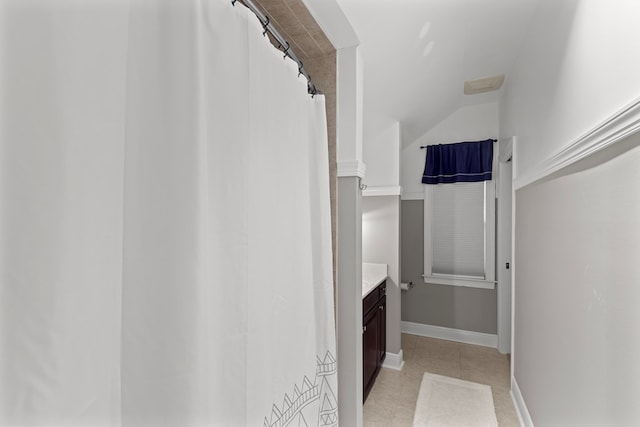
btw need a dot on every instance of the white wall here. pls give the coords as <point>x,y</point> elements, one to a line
<point>576,317</point>
<point>382,152</point>
<point>469,123</point>
<point>381,214</point>
<point>381,244</point>
<point>349,105</point>
<point>577,66</point>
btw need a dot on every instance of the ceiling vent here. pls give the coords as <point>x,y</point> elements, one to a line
<point>486,84</point>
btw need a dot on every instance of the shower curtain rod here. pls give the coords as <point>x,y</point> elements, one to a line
<point>422,147</point>
<point>284,45</point>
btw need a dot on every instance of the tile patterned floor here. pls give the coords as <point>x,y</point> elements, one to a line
<point>392,401</point>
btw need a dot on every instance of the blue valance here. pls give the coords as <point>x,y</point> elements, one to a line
<point>470,161</point>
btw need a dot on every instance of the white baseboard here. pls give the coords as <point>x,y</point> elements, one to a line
<point>393,361</point>
<point>459,335</point>
<point>521,407</point>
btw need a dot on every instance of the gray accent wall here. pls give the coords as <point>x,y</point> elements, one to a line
<point>455,307</point>
<point>349,301</point>
<point>577,292</point>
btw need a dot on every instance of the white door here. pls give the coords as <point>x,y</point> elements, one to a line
<point>505,174</point>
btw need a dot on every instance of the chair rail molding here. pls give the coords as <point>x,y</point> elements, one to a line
<point>624,123</point>
<point>391,190</point>
<point>351,168</point>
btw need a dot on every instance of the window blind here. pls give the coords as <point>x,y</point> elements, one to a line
<point>458,229</point>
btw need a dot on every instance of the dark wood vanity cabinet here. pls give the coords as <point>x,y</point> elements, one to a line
<point>374,335</point>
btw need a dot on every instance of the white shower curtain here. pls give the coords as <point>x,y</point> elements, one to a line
<point>165,227</point>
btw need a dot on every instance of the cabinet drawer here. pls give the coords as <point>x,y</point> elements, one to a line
<point>371,300</point>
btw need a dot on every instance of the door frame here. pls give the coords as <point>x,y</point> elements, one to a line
<point>504,242</point>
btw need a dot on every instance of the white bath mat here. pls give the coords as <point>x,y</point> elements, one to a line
<point>445,401</point>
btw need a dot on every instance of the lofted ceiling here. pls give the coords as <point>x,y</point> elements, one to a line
<point>417,54</point>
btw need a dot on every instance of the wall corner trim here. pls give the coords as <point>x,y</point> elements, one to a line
<point>351,168</point>
<point>391,190</point>
<point>458,335</point>
<point>624,123</point>
<point>394,361</point>
<point>521,407</point>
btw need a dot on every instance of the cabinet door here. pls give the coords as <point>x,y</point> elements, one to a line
<point>370,355</point>
<point>382,321</point>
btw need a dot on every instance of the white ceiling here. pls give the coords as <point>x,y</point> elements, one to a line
<point>418,53</point>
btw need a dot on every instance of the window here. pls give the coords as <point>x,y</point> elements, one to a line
<point>459,227</point>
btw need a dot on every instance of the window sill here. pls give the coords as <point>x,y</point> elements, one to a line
<point>458,281</point>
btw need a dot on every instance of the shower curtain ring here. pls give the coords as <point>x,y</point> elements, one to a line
<point>233,2</point>
<point>265,25</point>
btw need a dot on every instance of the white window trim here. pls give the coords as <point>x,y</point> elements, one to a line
<point>489,279</point>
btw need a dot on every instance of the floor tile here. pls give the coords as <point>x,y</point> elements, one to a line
<point>437,349</point>
<point>446,367</point>
<point>392,400</point>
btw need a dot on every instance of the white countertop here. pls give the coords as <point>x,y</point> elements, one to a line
<point>372,276</point>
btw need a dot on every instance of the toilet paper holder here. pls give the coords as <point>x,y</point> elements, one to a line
<point>406,286</point>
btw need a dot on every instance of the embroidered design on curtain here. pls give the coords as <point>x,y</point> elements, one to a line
<point>292,409</point>
<point>469,161</point>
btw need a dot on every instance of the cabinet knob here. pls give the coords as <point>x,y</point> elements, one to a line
<point>364,329</point>
<point>381,307</point>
